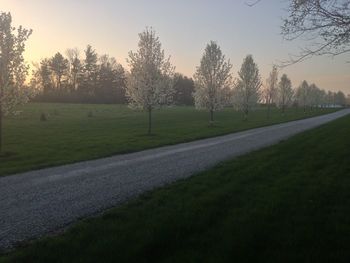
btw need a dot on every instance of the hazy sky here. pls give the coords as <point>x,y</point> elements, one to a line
<point>184,28</point>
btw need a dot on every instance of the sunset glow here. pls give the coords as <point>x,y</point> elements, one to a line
<point>184,27</point>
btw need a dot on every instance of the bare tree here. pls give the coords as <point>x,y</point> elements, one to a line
<point>13,70</point>
<point>150,82</point>
<point>211,79</point>
<point>325,24</point>
<point>247,88</point>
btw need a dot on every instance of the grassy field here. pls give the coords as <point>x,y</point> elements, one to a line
<point>286,203</point>
<point>70,135</point>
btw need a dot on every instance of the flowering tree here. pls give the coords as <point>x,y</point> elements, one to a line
<point>303,95</point>
<point>284,92</point>
<point>315,96</point>
<point>270,90</point>
<point>13,70</point>
<point>150,82</point>
<point>211,79</point>
<point>247,89</point>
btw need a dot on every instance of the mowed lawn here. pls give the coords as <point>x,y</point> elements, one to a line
<point>71,134</point>
<point>286,203</point>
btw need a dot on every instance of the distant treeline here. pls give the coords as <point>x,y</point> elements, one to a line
<point>94,78</point>
<point>91,79</point>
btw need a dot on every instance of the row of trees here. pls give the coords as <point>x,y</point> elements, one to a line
<point>100,79</point>
<point>151,83</point>
<point>215,88</point>
<point>282,95</point>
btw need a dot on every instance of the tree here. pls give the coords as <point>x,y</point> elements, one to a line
<point>89,71</point>
<point>314,96</point>
<point>100,79</point>
<point>150,82</point>
<point>324,23</point>
<point>284,92</point>
<point>110,81</point>
<point>42,77</point>
<point>330,99</point>
<point>183,90</point>
<point>271,89</point>
<point>323,98</point>
<point>340,98</point>
<point>74,67</point>
<point>46,76</point>
<point>13,70</point>
<point>59,68</point>
<point>247,89</point>
<point>303,95</point>
<point>212,76</point>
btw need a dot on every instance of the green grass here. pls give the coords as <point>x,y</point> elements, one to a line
<point>69,135</point>
<point>286,203</point>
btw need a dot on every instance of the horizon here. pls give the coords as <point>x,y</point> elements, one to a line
<point>261,25</point>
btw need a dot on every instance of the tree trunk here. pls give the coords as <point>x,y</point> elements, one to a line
<point>149,121</point>
<point>211,115</point>
<point>58,83</point>
<point>268,111</point>
<point>0,128</point>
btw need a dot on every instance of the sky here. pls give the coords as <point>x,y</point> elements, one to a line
<point>184,28</point>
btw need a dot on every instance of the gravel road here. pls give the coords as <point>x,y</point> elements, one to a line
<point>36,203</point>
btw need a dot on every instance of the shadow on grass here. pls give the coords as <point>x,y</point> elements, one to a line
<point>214,124</point>
<point>148,135</point>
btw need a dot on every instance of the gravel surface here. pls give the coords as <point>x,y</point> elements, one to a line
<point>41,202</point>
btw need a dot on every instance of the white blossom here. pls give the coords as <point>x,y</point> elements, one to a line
<point>212,80</point>
<point>13,70</point>
<point>246,93</point>
<point>150,82</point>
<point>284,92</point>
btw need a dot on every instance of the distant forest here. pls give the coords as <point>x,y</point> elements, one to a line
<point>91,79</point>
